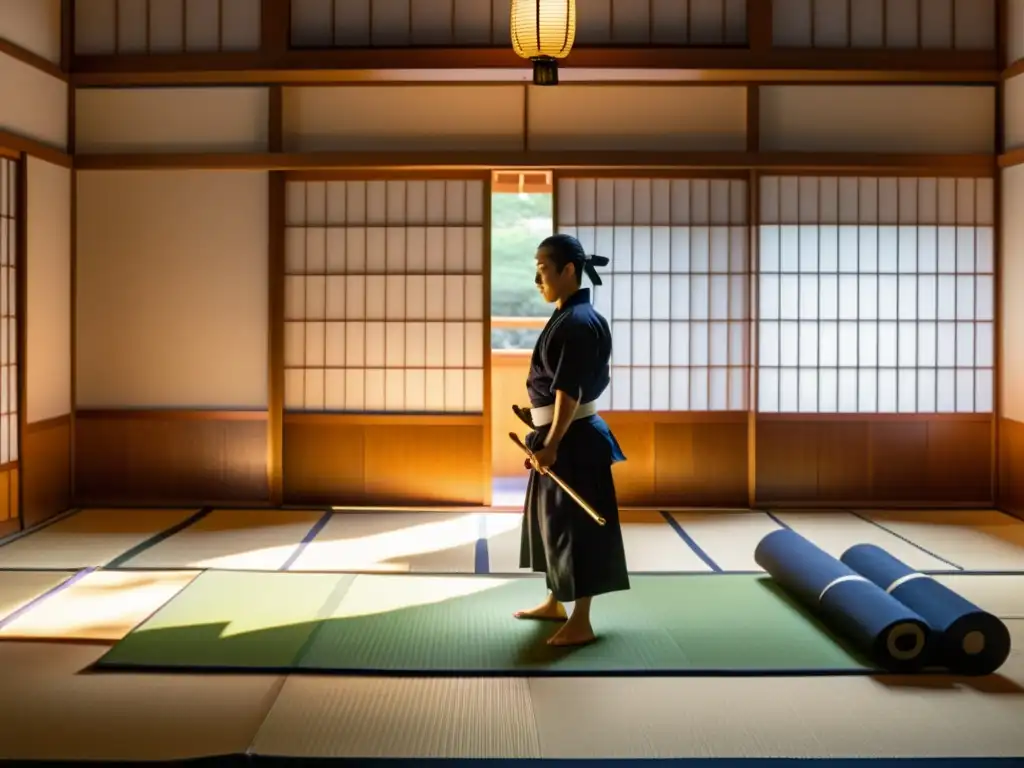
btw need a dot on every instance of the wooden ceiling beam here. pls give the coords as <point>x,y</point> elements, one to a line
<point>13,144</point>
<point>720,162</point>
<point>619,64</point>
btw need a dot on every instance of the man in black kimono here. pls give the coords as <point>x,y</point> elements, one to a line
<point>569,370</point>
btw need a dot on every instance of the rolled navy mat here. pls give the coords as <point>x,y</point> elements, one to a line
<point>969,640</point>
<point>877,624</point>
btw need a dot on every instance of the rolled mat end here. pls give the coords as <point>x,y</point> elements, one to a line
<point>970,640</point>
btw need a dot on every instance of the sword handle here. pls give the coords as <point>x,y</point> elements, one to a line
<point>565,487</point>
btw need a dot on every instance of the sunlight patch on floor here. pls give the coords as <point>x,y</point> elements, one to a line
<point>394,542</point>
<point>105,605</point>
<point>370,595</point>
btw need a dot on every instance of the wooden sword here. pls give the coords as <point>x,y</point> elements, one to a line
<point>575,496</point>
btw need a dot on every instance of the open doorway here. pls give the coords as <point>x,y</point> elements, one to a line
<point>522,214</point>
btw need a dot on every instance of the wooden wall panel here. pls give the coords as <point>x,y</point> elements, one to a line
<point>931,24</point>
<point>323,462</point>
<point>1011,466</point>
<point>878,118</point>
<point>401,23</point>
<point>34,25</point>
<point>166,26</point>
<point>170,457</point>
<point>637,117</point>
<point>344,460</point>
<point>701,463</point>
<point>46,458</point>
<point>810,459</point>
<point>221,119</point>
<point>874,460</point>
<point>10,521</point>
<point>509,369</point>
<point>634,477</point>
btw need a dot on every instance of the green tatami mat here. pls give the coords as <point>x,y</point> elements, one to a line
<point>232,619</point>
<point>463,625</point>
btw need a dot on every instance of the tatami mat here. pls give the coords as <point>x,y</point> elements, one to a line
<point>802,717</point>
<point>651,545</point>
<point>237,619</point>
<point>52,708</point>
<point>799,717</point>
<point>232,539</point>
<point>19,588</point>
<point>1000,595</point>
<point>728,538</point>
<point>503,531</point>
<point>835,532</point>
<point>425,542</point>
<point>975,540</point>
<point>92,537</point>
<point>401,717</point>
<point>103,605</point>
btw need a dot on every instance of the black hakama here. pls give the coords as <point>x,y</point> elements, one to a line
<point>579,557</point>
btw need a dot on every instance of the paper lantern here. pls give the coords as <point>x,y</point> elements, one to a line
<point>543,31</point>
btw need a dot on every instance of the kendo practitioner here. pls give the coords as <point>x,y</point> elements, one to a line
<point>569,370</point>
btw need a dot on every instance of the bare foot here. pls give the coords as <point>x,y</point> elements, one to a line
<point>549,610</point>
<point>573,633</point>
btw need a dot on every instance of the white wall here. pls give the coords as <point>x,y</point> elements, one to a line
<point>1012,235</point>
<point>1014,31</point>
<point>48,371</point>
<point>172,289</point>
<point>403,117</point>
<point>32,24</point>
<point>878,118</point>
<point>33,103</point>
<point>171,120</point>
<point>1012,289</point>
<point>638,117</point>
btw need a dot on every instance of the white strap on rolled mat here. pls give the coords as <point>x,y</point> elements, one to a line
<point>973,642</point>
<point>904,579</point>
<point>900,630</point>
<point>545,414</point>
<point>840,580</point>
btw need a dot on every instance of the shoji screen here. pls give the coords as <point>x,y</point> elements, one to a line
<point>964,25</point>
<point>8,312</point>
<point>105,27</point>
<point>876,295</point>
<point>384,302</point>
<point>422,23</point>
<point>676,292</point>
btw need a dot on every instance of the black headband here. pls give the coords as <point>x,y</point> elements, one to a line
<point>589,266</point>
